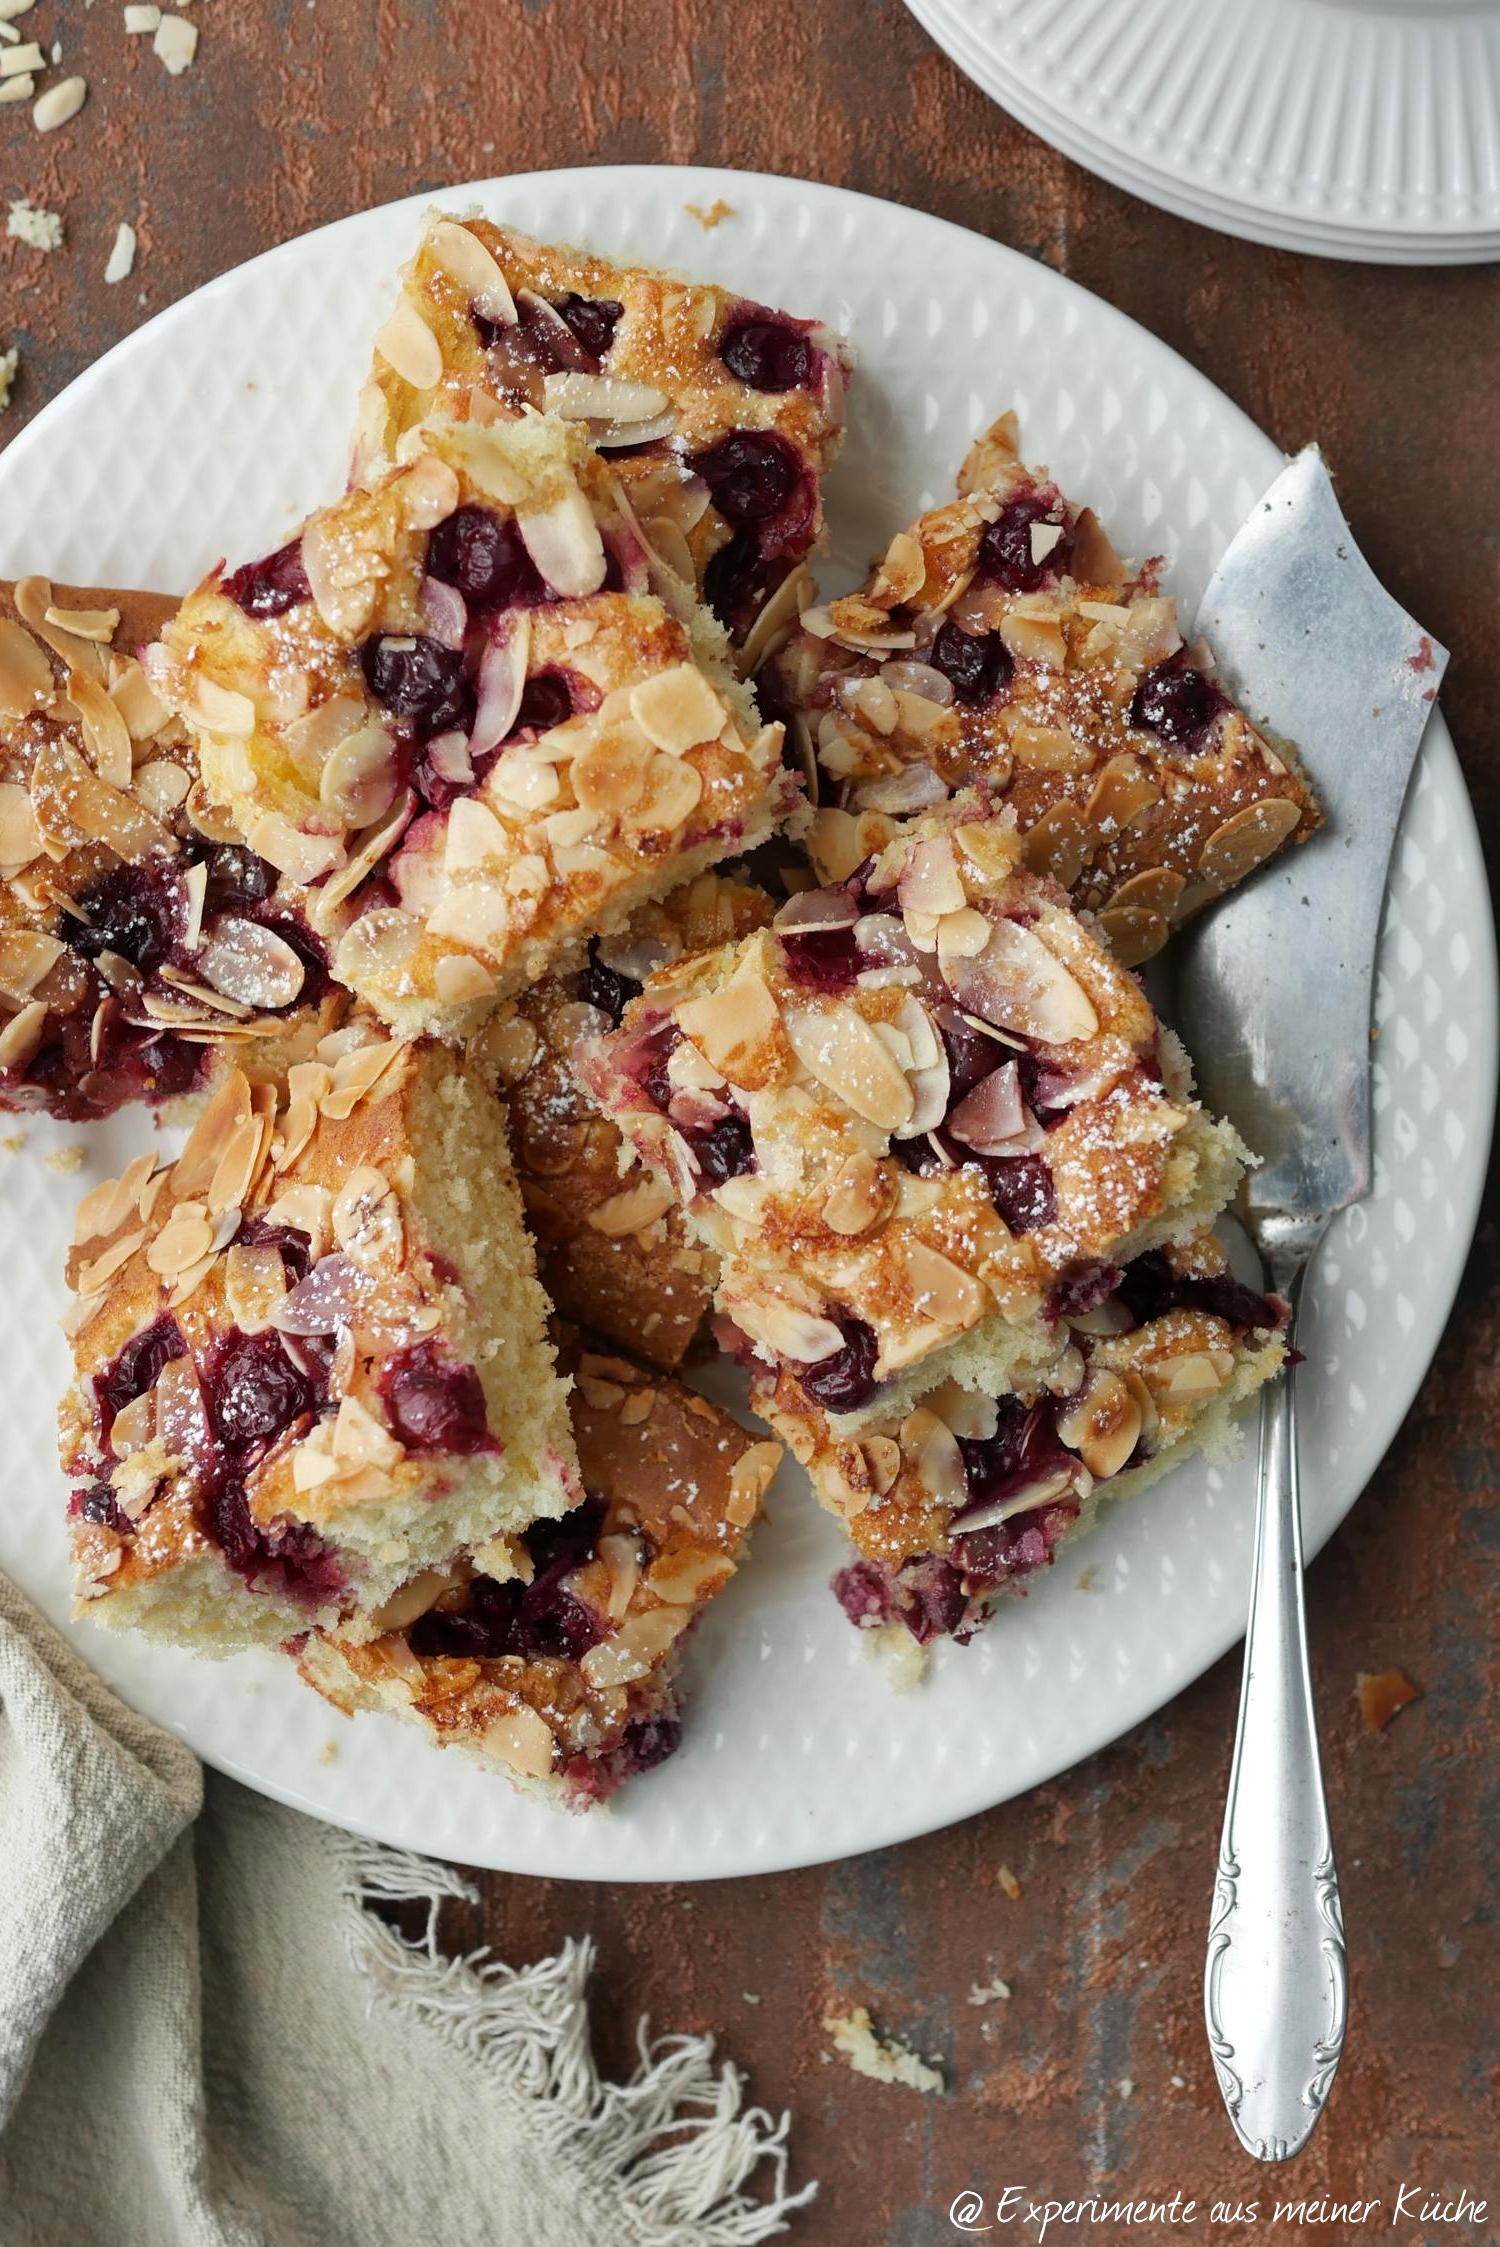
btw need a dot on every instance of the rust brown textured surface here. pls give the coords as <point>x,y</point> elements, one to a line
<point>1094,2071</point>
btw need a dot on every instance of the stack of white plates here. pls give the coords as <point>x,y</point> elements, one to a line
<point>1350,128</point>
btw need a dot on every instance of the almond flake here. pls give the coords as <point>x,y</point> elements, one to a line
<point>842,1051</point>
<point>633,1210</point>
<point>469,262</point>
<point>737,1028</point>
<point>121,261</point>
<point>520,1740</point>
<point>22,1036</point>
<point>26,682</point>
<point>564,542</point>
<point>409,347</point>
<point>174,43</point>
<point>751,1473</point>
<point>60,104</point>
<point>457,979</point>
<point>677,709</point>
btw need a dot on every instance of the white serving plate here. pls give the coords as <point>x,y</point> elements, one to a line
<point>1354,130</point>
<point>209,432</point>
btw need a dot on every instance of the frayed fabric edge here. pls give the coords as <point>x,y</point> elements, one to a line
<point>671,2150</point>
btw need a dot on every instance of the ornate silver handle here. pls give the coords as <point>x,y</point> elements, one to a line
<point>1275,1988</point>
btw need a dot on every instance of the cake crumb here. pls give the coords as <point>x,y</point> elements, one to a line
<point>1009,1883</point>
<point>328,1751</point>
<point>718,210</point>
<point>985,1993</point>
<point>9,361</point>
<point>122,253</point>
<point>906,1663</point>
<point>13,1144</point>
<point>884,2059</point>
<point>1126,2086</point>
<point>1089,1580</point>
<point>1381,1695</point>
<point>750,1997</point>
<point>39,229</point>
<point>66,1161</point>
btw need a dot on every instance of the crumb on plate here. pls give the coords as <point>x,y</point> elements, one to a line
<point>718,210</point>
<point>905,1661</point>
<point>66,1161</point>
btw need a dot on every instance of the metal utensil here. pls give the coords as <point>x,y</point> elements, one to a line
<point>1274,997</point>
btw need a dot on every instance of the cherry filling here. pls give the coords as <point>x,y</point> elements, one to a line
<point>98,1503</point>
<point>821,959</point>
<point>237,879</point>
<point>1006,555</point>
<point>420,681</point>
<point>1149,1288</point>
<point>645,1742</point>
<point>979,664</point>
<point>435,1405</point>
<point>485,556</point>
<point>605,987</point>
<point>724,1149</point>
<point>768,353</point>
<point>1176,702</point>
<point>1021,1189</point>
<point>140,912</point>
<point>845,1379</point>
<point>546,701</point>
<point>255,1392</point>
<point>134,1369</point>
<point>271,586</point>
<point>753,475</point>
<point>292,1556</point>
<point>539,1621</point>
<point>592,319</point>
<point>294,1246</point>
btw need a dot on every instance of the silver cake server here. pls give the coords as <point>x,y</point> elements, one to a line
<point>1274,997</point>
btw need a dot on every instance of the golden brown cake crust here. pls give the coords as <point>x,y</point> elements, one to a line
<point>656,765</point>
<point>673,1486</point>
<point>660,385</point>
<point>99,787</point>
<point>1143,824</point>
<point>614,1252</point>
<point>816,1082</point>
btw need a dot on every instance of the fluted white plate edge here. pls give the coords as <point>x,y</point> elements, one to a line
<point>1354,131</point>
<point>210,431</point>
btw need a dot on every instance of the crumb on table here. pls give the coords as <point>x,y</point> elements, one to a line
<point>1382,1694</point>
<point>884,2059</point>
<point>985,1993</point>
<point>1009,1883</point>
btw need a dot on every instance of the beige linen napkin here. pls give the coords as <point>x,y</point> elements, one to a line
<point>206,2037</point>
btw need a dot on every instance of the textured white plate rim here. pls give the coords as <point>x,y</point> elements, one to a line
<point>555,1853</point>
<point>1273,226</point>
<point>944,22</point>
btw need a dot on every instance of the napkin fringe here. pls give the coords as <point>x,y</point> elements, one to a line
<point>674,2146</point>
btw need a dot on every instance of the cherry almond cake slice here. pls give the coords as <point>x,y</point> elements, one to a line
<point>614,1253</point>
<point>906,1112</point>
<point>311,1355</point>
<point>137,933</point>
<point>1002,642</point>
<point>968,1495</point>
<point>556,1661</point>
<point>454,704</point>
<point>720,416</point>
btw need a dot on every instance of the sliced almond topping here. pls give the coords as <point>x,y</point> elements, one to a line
<point>26,681</point>
<point>238,1166</point>
<point>86,624</point>
<point>357,1072</point>
<point>902,573</point>
<point>606,398</point>
<point>1058,844</point>
<point>930,1448</point>
<point>633,1210</point>
<point>563,540</point>
<point>882,1455</point>
<point>227,1111</point>
<point>91,1277</point>
<point>20,837</point>
<point>677,709</point>
<point>26,956</point>
<point>106,736</point>
<point>946,1299</point>
<point>511,1047</point>
<point>1133,934</point>
<point>255,1282</point>
<point>929,881</point>
<point>342,574</point>
<point>786,1329</point>
<point>67,795</point>
<point>469,262</point>
<point>222,710</point>
<point>250,963</point>
<point>683,1579</point>
<point>307,1082</point>
<point>186,1239</point>
<point>1103,1424</point>
<point>161,786</point>
<point>410,348</point>
<point>1123,790</point>
<point>842,1051</point>
<point>1246,840</point>
<point>359,779</point>
<point>521,1740</point>
<point>1035,636</point>
<point>670,797</point>
<point>1019,984</point>
<point>367,1220</point>
<point>737,1028</point>
<point>621,1556</point>
<point>459,979</point>
<point>377,950</point>
<point>634,1650</point>
<point>1186,1379</point>
<point>861,1195</point>
<point>749,1478</point>
<point>22,1035</point>
<point>304,857</point>
<point>1156,889</point>
<point>137,700</point>
<point>308,1209</point>
<point>362,1439</point>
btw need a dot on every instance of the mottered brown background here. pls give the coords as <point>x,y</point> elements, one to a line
<point>1094,2073</point>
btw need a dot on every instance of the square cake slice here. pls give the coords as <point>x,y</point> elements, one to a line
<point>721,416</point>
<point>137,933</point>
<point>1002,642</point>
<point>613,1252</point>
<point>556,1660</point>
<point>454,704</point>
<point>311,1354</point>
<point>967,1495</point>
<point>906,1111</point>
